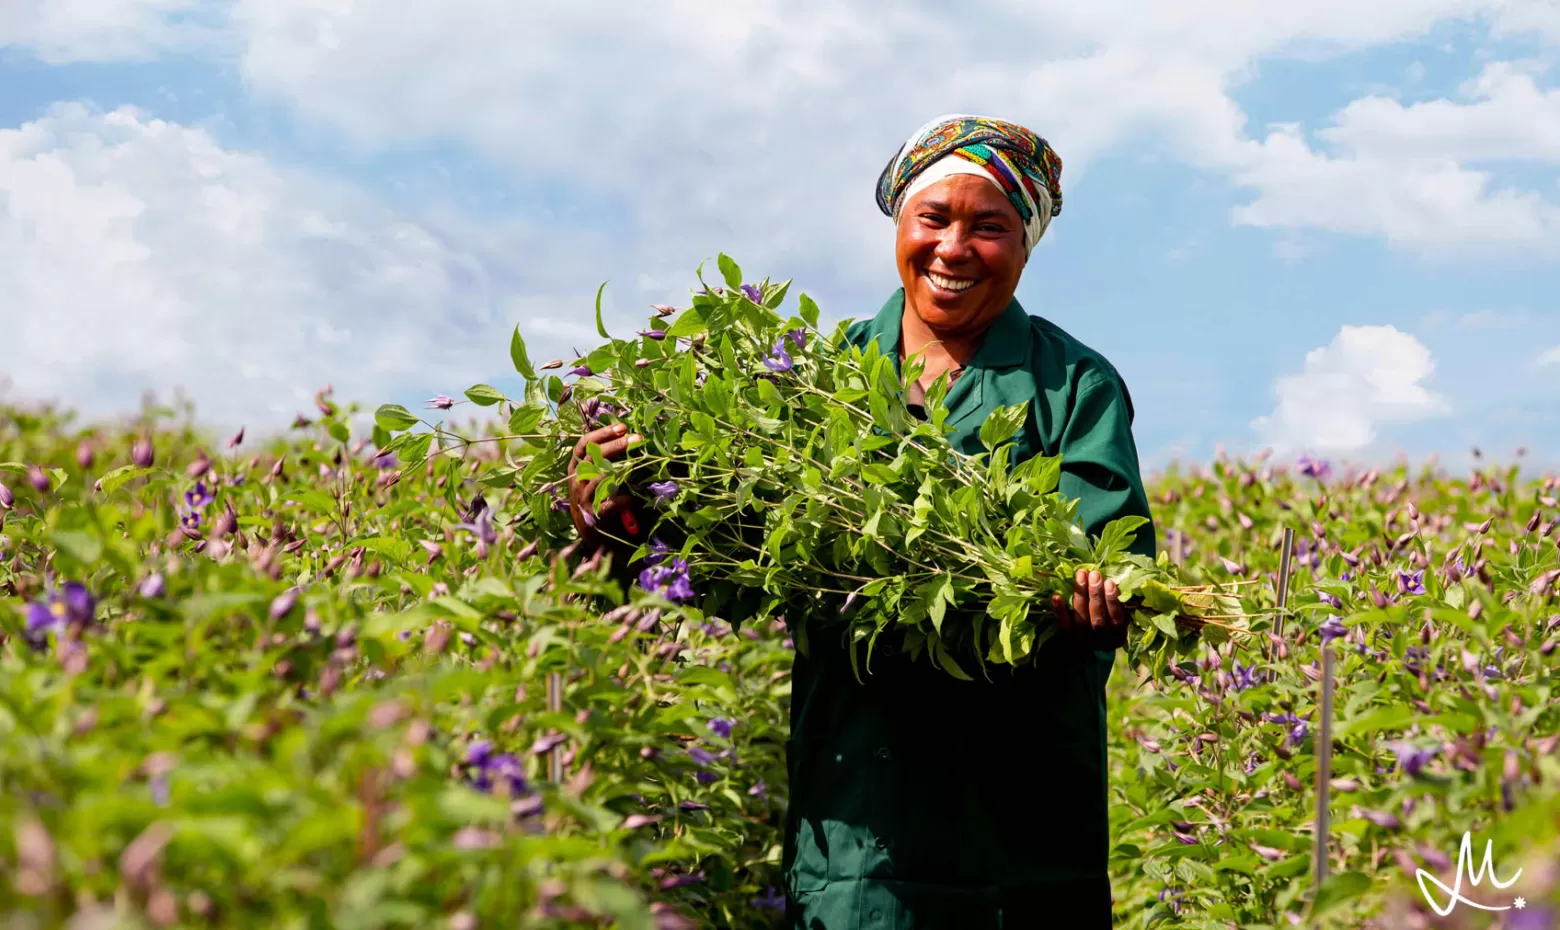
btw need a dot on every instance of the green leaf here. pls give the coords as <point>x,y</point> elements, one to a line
<point>526,419</point>
<point>1339,889</point>
<point>1392,717</point>
<point>809,311</point>
<point>1002,424</point>
<point>317,501</point>
<point>601,327</point>
<point>728,270</point>
<point>519,357</point>
<point>484,395</point>
<point>112,481</point>
<point>1118,535</point>
<point>394,417</point>
<point>338,431</point>
<point>83,547</point>
<point>949,665</point>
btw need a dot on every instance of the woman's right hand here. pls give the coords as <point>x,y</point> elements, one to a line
<point>618,516</point>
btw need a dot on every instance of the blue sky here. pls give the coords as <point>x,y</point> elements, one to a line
<point>1331,229</point>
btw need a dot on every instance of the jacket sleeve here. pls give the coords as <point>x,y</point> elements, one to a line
<point>1099,459</point>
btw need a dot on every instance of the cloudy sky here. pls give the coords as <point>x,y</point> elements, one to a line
<point>1329,227</point>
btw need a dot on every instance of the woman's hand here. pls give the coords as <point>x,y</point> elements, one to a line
<point>618,517</point>
<point>1097,619</point>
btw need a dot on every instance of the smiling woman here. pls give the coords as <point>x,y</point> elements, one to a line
<point>904,787</point>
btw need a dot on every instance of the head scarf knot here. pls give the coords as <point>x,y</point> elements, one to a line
<point>1021,164</point>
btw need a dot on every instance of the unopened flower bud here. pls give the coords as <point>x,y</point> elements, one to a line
<point>38,478</point>
<point>6,497</point>
<point>142,454</point>
<point>84,455</point>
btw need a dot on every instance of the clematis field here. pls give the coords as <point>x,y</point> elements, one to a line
<point>356,673</point>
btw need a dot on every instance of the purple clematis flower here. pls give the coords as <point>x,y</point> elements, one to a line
<point>670,580</point>
<point>582,371</point>
<point>1244,677</point>
<point>798,338</point>
<point>1296,728</point>
<point>1313,468</point>
<point>1411,582</point>
<point>759,790</point>
<point>753,293</point>
<point>189,518</point>
<point>770,900</point>
<point>198,496</point>
<point>1411,759</point>
<point>700,756</point>
<point>440,402</point>
<point>1332,629</point>
<point>656,334</point>
<point>721,727</point>
<point>60,607</point>
<point>778,359</point>
<point>481,526</point>
<point>385,461</point>
<point>663,490</point>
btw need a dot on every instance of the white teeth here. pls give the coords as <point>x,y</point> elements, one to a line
<point>948,284</point>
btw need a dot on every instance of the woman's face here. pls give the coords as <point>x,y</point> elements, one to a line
<point>960,250</point>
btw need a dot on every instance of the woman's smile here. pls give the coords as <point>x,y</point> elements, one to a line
<point>949,285</point>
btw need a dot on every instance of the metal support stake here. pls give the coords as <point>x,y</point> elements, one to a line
<point>1285,563</point>
<point>554,704</point>
<point>1323,766</point>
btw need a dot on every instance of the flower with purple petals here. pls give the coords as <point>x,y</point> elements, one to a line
<point>385,461</point>
<point>656,334</point>
<point>721,727</point>
<point>1296,728</point>
<point>440,402</point>
<point>60,607</point>
<point>189,518</point>
<point>759,790</point>
<point>153,586</point>
<point>659,551</point>
<point>778,359</point>
<point>664,491</point>
<point>669,580</point>
<point>1313,468</point>
<point>1411,582</point>
<point>770,900</point>
<point>700,756</point>
<point>1244,677</point>
<point>198,497</point>
<point>1332,629</point>
<point>798,338</point>
<point>753,293</point>
<point>581,370</point>
<point>1412,759</point>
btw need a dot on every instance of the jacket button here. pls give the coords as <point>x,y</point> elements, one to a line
<point>876,915</point>
<point>882,842</point>
<point>884,754</point>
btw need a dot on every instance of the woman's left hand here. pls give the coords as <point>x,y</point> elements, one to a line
<point>1097,619</point>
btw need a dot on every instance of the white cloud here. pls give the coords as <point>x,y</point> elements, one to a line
<point>1367,377</point>
<point>1406,172</point>
<point>1550,356</point>
<point>59,31</point>
<point>141,254</point>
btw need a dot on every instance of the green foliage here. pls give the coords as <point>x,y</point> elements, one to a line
<point>272,716</point>
<point>805,484</point>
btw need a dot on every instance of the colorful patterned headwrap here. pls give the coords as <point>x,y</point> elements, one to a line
<point>1021,164</point>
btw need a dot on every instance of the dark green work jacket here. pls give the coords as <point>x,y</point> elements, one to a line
<point>918,800</point>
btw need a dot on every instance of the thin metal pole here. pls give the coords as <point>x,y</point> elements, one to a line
<point>1323,766</point>
<point>1285,563</point>
<point>554,704</point>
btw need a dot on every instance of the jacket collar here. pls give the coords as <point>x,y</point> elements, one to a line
<point>1006,345</point>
